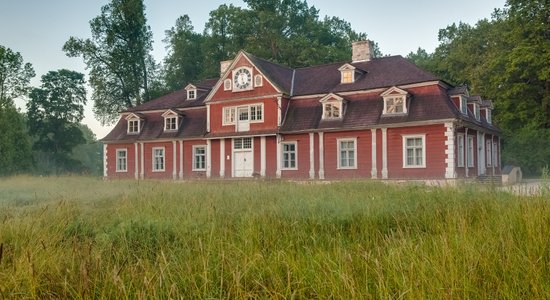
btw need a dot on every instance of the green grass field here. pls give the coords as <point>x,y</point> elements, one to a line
<point>78,237</point>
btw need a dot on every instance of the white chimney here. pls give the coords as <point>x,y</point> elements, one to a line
<point>362,51</point>
<point>224,65</point>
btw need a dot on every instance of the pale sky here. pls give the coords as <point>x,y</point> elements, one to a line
<point>39,28</point>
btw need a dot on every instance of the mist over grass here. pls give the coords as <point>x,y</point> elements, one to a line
<point>80,237</point>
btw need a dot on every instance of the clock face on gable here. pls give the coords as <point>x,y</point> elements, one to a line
<point>242,79</point>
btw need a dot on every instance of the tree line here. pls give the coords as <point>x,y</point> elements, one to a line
<point>505,58</point>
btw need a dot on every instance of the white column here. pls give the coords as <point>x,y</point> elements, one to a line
<point>311,155</point>
<point>208,158</point>
<point>136,161</point>
<point>262,156</point>
<point>207,117</point>
<point>142,170</point>
<point>450,170</point>
<point>321,156</point>
<point>174,161</point>
<point>278,144</point>
<point>181,160</point>
<point>279,112</point>
<point>467,152</point>
<point>105,160</point>
<point>493,152</point>
<point>222,158</point>
<point>384,153</point>
<point>374,170</point>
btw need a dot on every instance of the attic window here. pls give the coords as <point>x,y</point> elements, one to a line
<point>191,92</point>
<point>488,115</point>
<point>134,124</point>
<point>332,107</point>
<point>347,74</point>
<point>395,101</point>
<point>476,111</point>
<point>463,105</point>
<point>170,120</point>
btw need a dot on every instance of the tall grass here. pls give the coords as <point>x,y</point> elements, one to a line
<point>76,237</point>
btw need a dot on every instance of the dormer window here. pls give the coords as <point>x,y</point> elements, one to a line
<point>332,107</point>
<point>191,92</point>
<point>395,101</point>
<point>476,111</point>
<point>347,74</point>
<point>488,116</point>
<point>134,124</point>
<point>171,119</point>
<point>463,105</point>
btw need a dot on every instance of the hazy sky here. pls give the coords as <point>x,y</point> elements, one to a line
<point>39,28</point>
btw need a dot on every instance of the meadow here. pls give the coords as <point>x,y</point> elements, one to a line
<point>82,237</point>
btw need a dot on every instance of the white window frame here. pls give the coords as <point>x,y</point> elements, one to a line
<point>227,85</point>
<point>239,144</point>
<point>463,105</point>
<point>256,106</point>
<point>488,153</point>
<point>476,111</point>
<point>488,116</point>
<point>191,94</point>
<point>460,150</point>
<point>154,157</point>
<point>283,152</point>
<point>195,156</point>
<point>405,148</point>
<point>471,151</point>
<point>229,112</point>
<point>339,153</point>
<point>347,74</point>
<point>137,127</point>
<point>119,158</point>
<point>168,122</point>
<point>403,98</point>
<point>333,103</point>
<point>258,80</point>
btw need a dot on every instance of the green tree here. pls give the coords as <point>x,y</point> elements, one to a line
<point>89,154</point>
<point>184,61</point>
<point>54,113</point>
<point>15,76</point>
<point>118,56</point>
<point>15,149</point>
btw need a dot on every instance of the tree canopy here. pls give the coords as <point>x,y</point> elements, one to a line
<point>15,76</point>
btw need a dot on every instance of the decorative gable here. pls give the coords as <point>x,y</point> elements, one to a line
<point>191,92</point>
<point>171,120</point>
<point>395,101</point>
<point>134,123</point>
<point>333,107</point>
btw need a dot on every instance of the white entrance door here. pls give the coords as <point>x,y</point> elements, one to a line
<point>243,123</point>
<point>243,161</point>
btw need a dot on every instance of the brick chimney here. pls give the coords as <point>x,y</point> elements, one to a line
<point>362,51</point>
<point>224,65</point>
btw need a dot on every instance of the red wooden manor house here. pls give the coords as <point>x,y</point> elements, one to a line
<point>380,118</point>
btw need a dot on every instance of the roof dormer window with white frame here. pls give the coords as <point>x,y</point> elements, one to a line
<point>463,105</point>
<point>171,120</point>
<point>333,107</point>
<point>191,92</point>
<point>347,74</point>
<point>134,124</point>
<point>477,111</point>
<point>488,115</point>
<point>395,101</point>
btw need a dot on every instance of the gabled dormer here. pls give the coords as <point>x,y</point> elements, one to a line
<point>171,120</point>
<point>135,121</point>
<point>191,92</point>
<point>333,107</point>
<point>474,103</point>
<point>460,95</point>
<point>347,74</point>
<point>395,101</point>
<point>487,108</point>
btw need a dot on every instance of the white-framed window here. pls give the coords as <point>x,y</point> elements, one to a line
<point>347,76</point>
<point>227,85</point>
<point>133,126</point>
<point>191,94</point>
<point>289,152</point>
<point>158,159</point>
<point>228,116</point>
<point>476,111</point>
<point>242,143</point>
<point>463,105</point>
<point>460,150</point>
<point>347,153</point>
<point>488,116</point>
<point>488,153</point>
<point>199,158</point>
<point>414,151</point>
<point>121,160</point>
<point>395,105</point>
<point>495,154</point>
<point>170,123</point>
<point>470,146</point>
<point>332,110</point>
<point>256,112</point>
<point>258,80</point>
